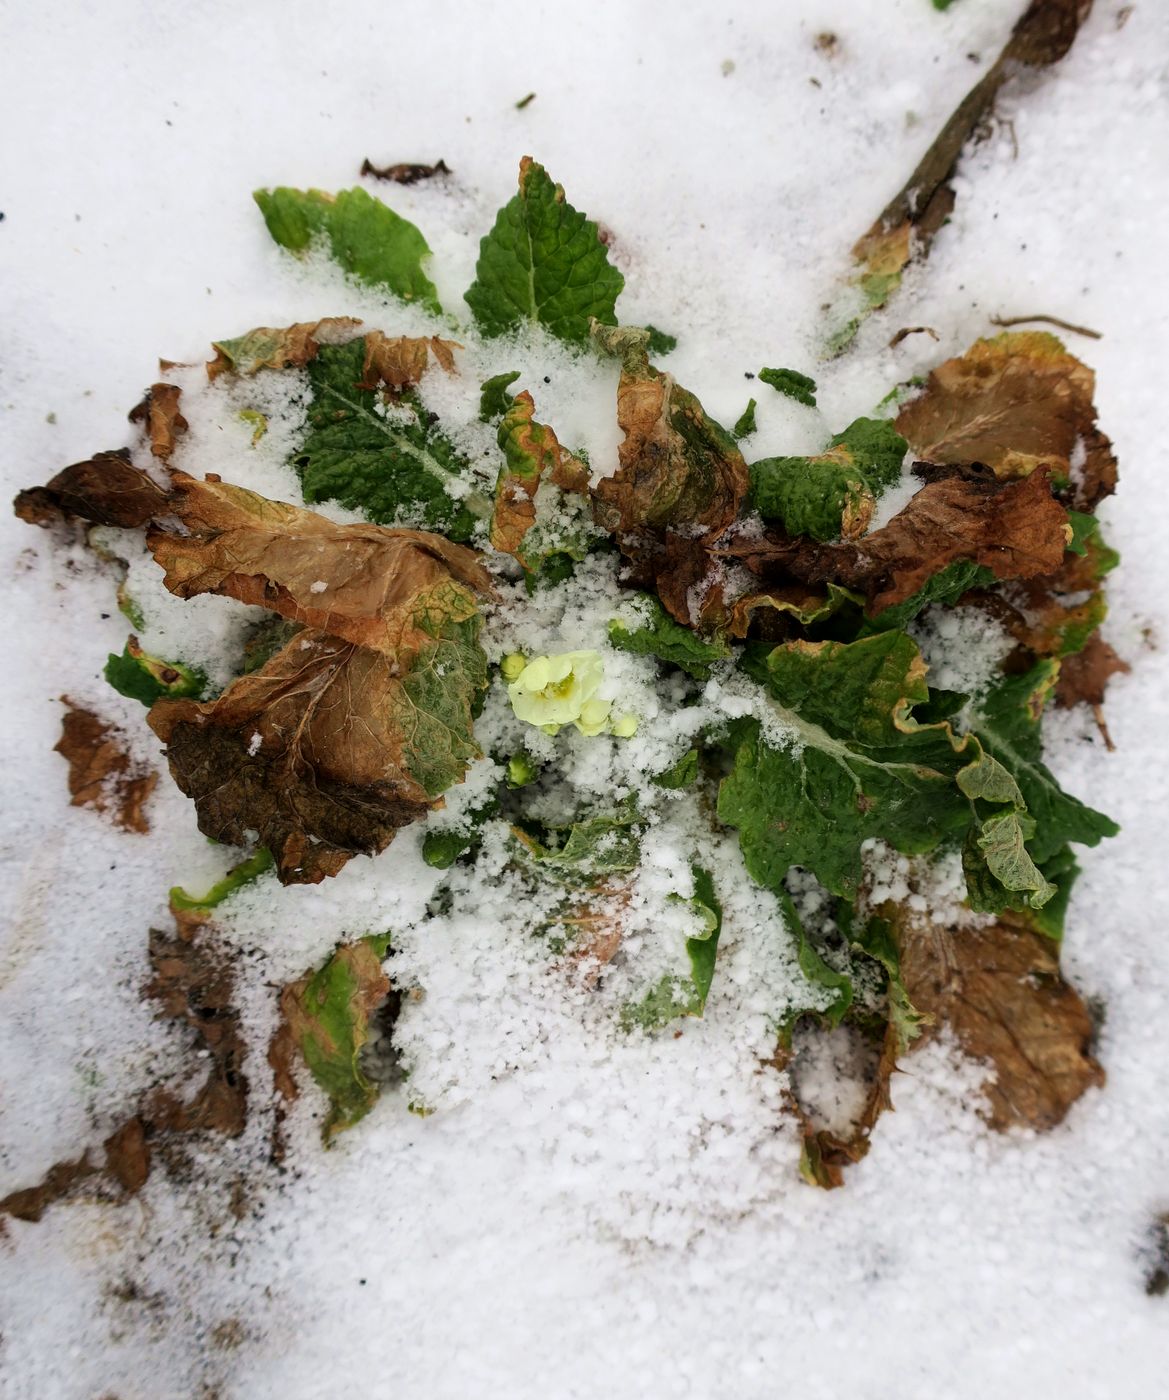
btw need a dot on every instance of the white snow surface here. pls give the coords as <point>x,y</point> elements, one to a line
<point>584,1212</point>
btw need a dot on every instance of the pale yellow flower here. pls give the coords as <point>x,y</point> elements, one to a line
<point>554,690</point>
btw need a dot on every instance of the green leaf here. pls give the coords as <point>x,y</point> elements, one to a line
<point>148,678</point>
<point>441,688</point>
<point>681,774</point>
<point>238,876</point>
<point>442,847</point>
<point>327,1015</point>
<point>857,766</point>
<point>814,968</point>
<point>945,587</point>
<point>600,845</point>
<point>543,263</point>
<point>494,400</point>
<point>877,940</point>
<point>745,425</point>
<point>659,635</point>
<point>835,492</point>
<point>790,382</point>
<point>1007,722</point>
<point>659,342</point>
<point>680,996</point>
<point>366,238</point>
<point>391,462</point>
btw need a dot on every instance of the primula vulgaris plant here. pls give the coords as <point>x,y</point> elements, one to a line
<point>355,706</point>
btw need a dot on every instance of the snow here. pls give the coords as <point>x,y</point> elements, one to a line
<point>582,1211</point>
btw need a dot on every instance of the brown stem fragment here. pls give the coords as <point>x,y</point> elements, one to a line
<point>1006,321</point>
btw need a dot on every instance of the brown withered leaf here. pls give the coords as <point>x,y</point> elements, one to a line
<point>825,1154</point>
<point>404,173</point>
<point>400,361</point>
<point>101,773</point>
<point>532,453</point>
<point>680,483</point>
<point>1000,990</point>
<point>363,583</point>
<point>596,928</point>
<point>283,347</point>
<point>1015,528</point>
<point>678,468</point>
<point>1084,677</point>
<point>160,416</point>
<point>105,490</point>
<point>313,752</point>
<point>193,984</point>
<point>1016,402</point>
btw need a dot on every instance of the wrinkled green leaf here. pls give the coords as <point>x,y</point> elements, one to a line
<point>494,399</point>
<point>543,263</point>
<point>834,493</point>
<point>684,996</point>
<point>659,635</point>
<point>366,238</point>
<point>681,774</point>
<point>1007,721</point>
<point>391,462</point>
<point>600,845</point>
<point>790,382</point>
<point>745,425</point>
<point>660,343</point>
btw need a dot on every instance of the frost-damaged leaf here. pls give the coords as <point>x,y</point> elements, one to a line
<point>146,679</point>
<point>1084,677</point>
<point>836,492</point>
<point>101,773</point>
<point>326,1020</point>
<point>391,461</point>
<point>1016,402</point>
<point>404,173</point>
<point>532,455</point>
<point>192,982</point>
<point>1015,529</point>
<point>400,361</point>
<point>684,996</point>
<point>543,263</point>
<point>1000,990</point>
<point>105,490</point>
<point>366,238</point>
<point>657,634</point>
<point>360,721</point>
<point>285,347</point>
<point>160,416</point>
<point>593,846</point>
<point>391,590</point>
<point>679,485</point>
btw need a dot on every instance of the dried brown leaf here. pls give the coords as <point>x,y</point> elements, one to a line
<point>105,490</point>
<point>1084,677</point>
<point>400,361</point>
<point>163,422</point>
<point>283,347</point>
<point>363,583</point>
<point>404,173</point>
<point>1015,403</point>
<point>1014,528</point>
<point>310,752</point>
<point>101,773</point>
<point>1000,990</point>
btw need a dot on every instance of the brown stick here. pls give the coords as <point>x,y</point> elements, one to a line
<point>1047,321</point>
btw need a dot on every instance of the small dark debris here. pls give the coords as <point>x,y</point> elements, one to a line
<point>404,173</point>
<point>523,102</point>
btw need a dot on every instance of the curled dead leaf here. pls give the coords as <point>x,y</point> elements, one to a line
<point>366,584</point>
<point>105,490</point>
<point>101,773</point>
<point>532,454</point>
<point>400,361</point>
<point>284,347</point>
<point>160,416</point>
